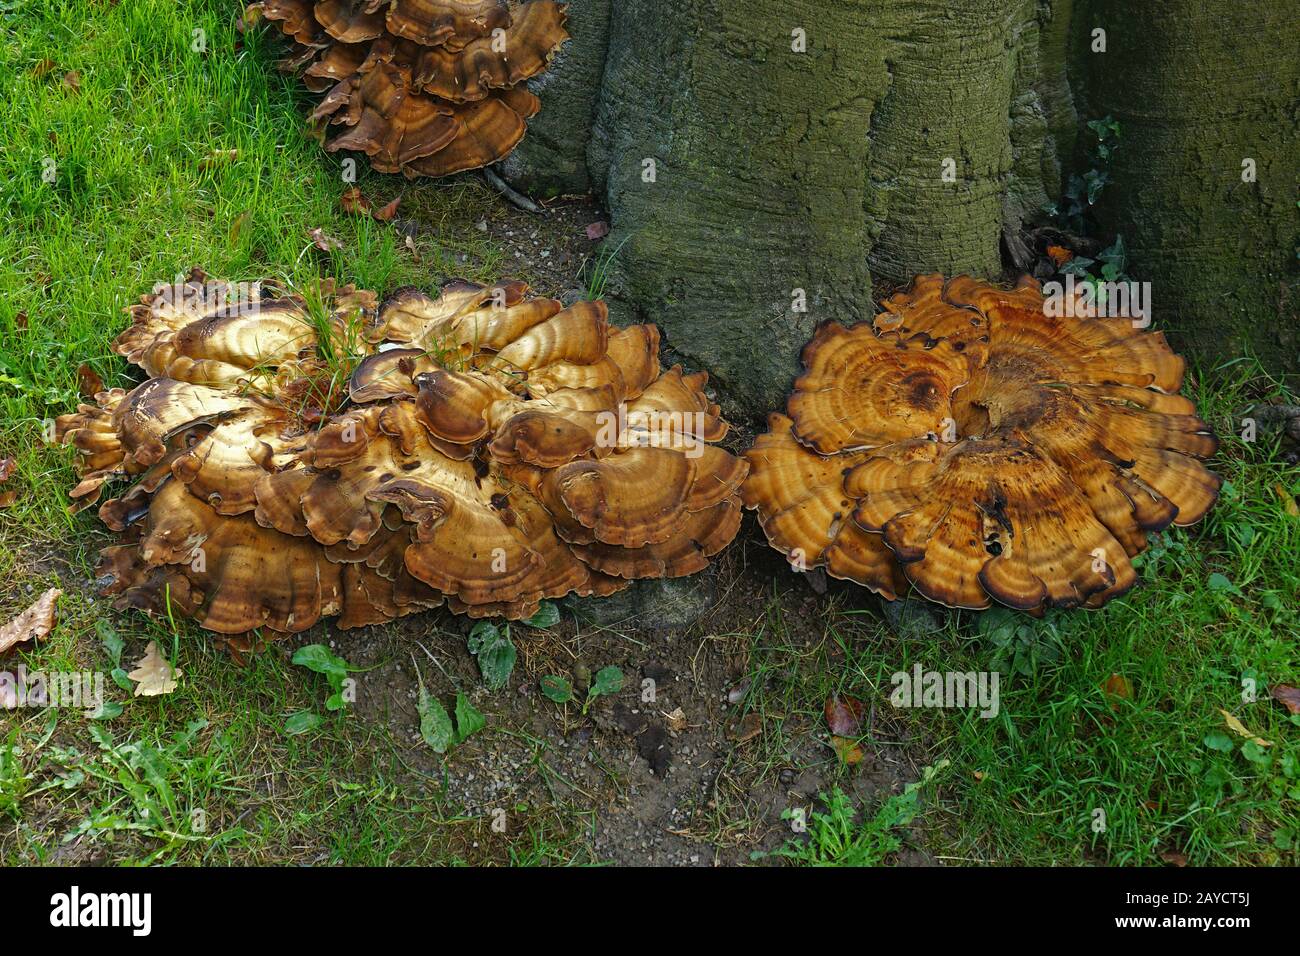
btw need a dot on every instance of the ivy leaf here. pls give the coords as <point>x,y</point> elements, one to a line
<point>319,658</point>
<point>113,644</point>
<point>302,722</point>
<point>495,653</point>
<point>548,615</point>
<point>556,688</point>
<point>468,720</point>
<point>435,724</point>
<point>608,680</point>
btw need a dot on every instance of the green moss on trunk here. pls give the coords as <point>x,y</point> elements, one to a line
<point>1199,88</point>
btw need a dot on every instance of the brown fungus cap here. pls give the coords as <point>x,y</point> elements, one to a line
<point>450,448</point>
<point>974,445</point>
<point>421,87</point>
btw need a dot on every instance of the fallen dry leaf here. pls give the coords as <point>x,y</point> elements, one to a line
<point>89,384</point>
<point>236,227</point>
<point>676,720</point>
<point>410,245</point>
<point>1059,254</point>
<point>7,498</point>
<point>1173,857</point>
<point>323,242</point>
<point>153,674</point>
<point>72,80</point>
<point>20,322</point>
<point>218,157</point>
<point>1288,697</point>
<point>979,775</point>
<point>750,726</point>
<point>844,715</point>
<point>388,211</point>
<point>847,749</point>
<point>353,203</point>
<point>1288,500</point>
<point>597,230</point>
<point>35,622</point>
<point>1117,687</point>
<point>1237,727</point>
<point>7,468</point>
<point>42,68</point>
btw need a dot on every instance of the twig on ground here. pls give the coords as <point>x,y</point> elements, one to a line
<point>511,195</point>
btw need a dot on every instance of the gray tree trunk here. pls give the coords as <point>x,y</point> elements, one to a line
<point>762,161</point>
<point>1199,88</point>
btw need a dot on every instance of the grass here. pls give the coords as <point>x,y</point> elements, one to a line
<point>163,157</point>
<point>143,187</point>
<point>1215,623</point>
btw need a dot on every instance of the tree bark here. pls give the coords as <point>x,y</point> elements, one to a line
<point>1198,89</point>
<point>762,161</point>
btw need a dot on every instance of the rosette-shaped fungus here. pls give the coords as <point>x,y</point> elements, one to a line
<point>424,87</point>
<point>298,457</point>
<point>972,445</point>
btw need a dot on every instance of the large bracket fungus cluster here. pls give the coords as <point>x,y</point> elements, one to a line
<point>972,446</point>
<point>424,87</point>
<point>294,457</point>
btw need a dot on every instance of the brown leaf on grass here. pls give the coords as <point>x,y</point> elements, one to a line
<point>750,726</point>
<point>1173,857</point>
<point>238,226</point>
<point>597,230</point>
<point>386,212</point>
<point>1288,697</point>
<point>410,245</point>
<point>218,157</point>
<point>1288,500</point>
<point>153,674</point>
<point>1237,727</point>
<point>72,80</point>
<point>20,322</point>
<point>323,242</point>
<point>7,498</point>
<point>1117,687</point>
<point>847,749</point>
<point>35,622</point>
<point>844,715</point>
<point>43,68</point>
<point>89,384</point>
<point>353,203</point>
<point>7,467</point>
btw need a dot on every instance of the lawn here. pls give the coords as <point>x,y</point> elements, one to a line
<point>138,139</point>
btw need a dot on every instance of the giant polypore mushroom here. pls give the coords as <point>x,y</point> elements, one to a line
<point>292,458</point>
<point>973,445</point>
<point>422,87</point>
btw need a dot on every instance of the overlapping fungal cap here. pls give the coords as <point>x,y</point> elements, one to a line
<point>422,87</point>
<point>975,445</point>
<point>296,457</point>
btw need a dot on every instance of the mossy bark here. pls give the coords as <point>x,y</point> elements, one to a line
<point>552,158</point>
<point>1200,89</point>
<point>761,159</point>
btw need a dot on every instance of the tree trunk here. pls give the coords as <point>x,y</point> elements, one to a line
<point>763,160</point>
<point>1200,89</point>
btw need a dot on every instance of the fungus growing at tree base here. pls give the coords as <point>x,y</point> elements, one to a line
<point>422,87</point>
<point>976,447</point>
<point>294,457</point>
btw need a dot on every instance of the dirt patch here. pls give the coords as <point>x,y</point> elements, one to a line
<point>703,786</point>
